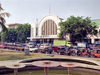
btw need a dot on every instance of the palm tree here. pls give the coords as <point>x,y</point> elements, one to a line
<point>2,18</point>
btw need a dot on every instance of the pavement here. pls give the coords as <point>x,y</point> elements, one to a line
<point>3,63</point>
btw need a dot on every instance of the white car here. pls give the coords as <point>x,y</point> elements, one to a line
<point>32,49</point>
<point>43,46</point>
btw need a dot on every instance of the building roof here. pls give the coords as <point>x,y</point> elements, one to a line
<point>11,24</point>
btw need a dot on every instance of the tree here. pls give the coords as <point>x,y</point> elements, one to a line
<point>23,32</point>
<point>18,34</point>
<point>2,18</point>
<point>11,36</point>
<point>2,36</point>
<point>77,27</point>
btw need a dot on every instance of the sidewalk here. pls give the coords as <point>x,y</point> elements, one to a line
<point>3,63</point>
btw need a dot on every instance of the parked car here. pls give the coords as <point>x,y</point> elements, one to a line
<point>19,48</point>
<point>62,50</point>
<point>55,48</point>
<point>95,53</point>
<point>2,46</point>
<point>68,44</point>
<point>47,50</point>
<point>83,52</point>
<point>43,46</point>
<point>32,49</point>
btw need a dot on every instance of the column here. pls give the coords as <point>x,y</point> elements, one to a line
<point>92,40</point>
<point>41,41</point>
<point>48,41</point>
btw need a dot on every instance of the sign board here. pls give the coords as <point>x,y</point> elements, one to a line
<point>81,44</point>
<point>59,42</point>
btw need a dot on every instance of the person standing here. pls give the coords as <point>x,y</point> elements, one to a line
<point>26,50</point>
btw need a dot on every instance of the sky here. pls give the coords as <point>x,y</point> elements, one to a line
<point>27,11</point>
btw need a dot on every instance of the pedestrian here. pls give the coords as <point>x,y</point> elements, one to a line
<point>27,50</point>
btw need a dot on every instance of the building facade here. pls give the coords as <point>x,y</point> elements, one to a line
<point>47,30</point>
<point>95,39</point>
<point>14,25</point>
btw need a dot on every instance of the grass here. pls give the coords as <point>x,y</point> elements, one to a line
<point>12,55</point>
<point>57,72</point>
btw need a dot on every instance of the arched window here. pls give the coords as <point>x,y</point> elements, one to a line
<point>49,27</point>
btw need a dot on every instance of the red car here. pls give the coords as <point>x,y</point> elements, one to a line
<point>1,46</point>
<point>96,53</point>
<point>84,53</point>
<point>55,48</point>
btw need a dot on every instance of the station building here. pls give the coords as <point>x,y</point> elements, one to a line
<point>47,30</point>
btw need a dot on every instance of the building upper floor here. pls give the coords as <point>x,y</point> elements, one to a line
<point>46,28</point>
<point>13,25</point>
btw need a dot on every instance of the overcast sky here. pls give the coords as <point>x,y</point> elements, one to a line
<point>27,11</point>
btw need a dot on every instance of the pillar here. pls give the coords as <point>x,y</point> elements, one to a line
<point>92,40</point>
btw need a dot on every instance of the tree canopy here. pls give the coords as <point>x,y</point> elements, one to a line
<point>18,34</point>
<point>23,32</point>
<point>77,27</point>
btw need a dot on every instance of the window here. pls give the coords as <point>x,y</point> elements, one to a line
<point>49,28</point>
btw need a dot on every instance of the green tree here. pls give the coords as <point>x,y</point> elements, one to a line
<point>2,18</point>
<point>77,27</point>
<point>11,36</point>
<point>2,36</point>
<point>23,32</point>
<point>18,34</point>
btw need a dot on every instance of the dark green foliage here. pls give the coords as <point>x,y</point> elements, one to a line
<point>11,36</point>
<point>23,32</point>
<point>77,27</point>
<point>18,34</point>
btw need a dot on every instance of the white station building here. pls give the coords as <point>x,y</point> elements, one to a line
<point>47,30</point>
